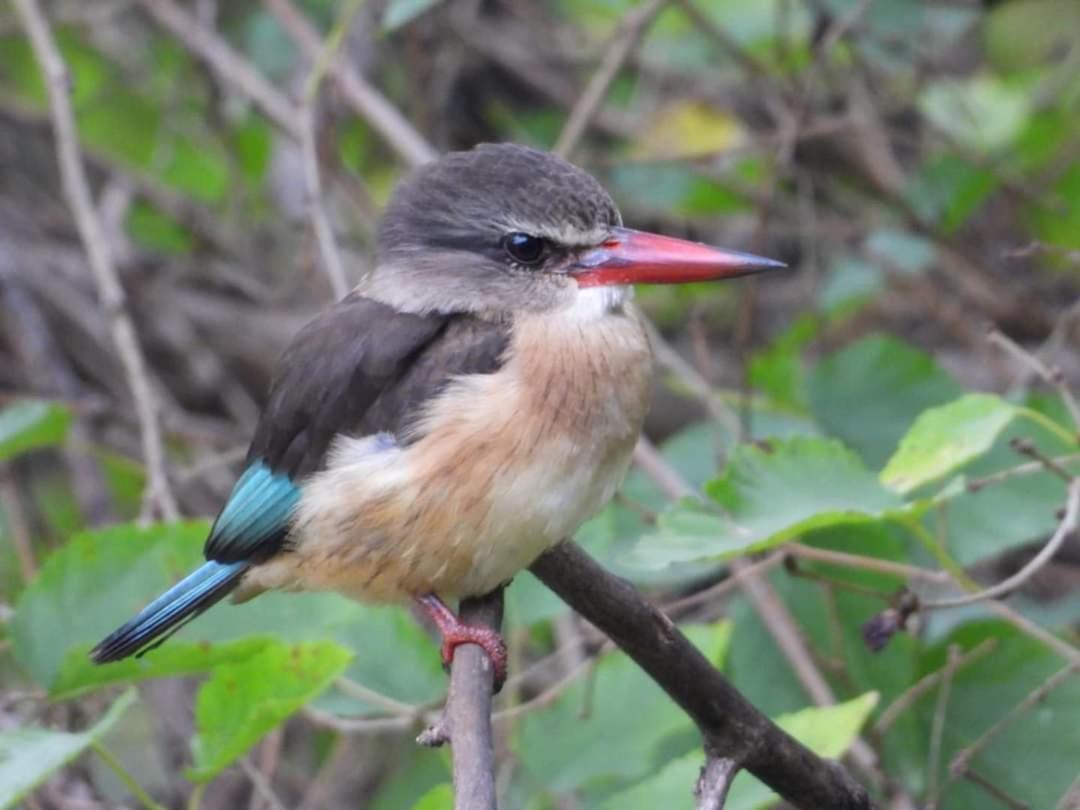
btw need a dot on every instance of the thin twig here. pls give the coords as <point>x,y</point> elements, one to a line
<point>157,497</point>
<point>937,727</point>
<point>226,63</point>
<point>910,695</point>
<point>1019,471</point>
<point>865,563</point>
<point>261,784</point>
<point>1046,553</point>
<point>1052,376</point>
<point>714,782</point>
<point>363,98</point>
<point>961,762</point>
<point>630,32</point>
<point>320,221</point>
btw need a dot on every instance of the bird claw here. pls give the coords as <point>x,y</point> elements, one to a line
<point>455,632</point>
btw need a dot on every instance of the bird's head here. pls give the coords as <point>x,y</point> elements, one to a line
<point>504,228</point>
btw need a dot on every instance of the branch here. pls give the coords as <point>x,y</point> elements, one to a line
<point>714,783</point>
<point>364,99</point>
<point>1067,526</point>
<point>320,221</point>
<point>768,605</point>
<point>157,496</point>
<point>732,728</point>
<point>630,33</point>
<point>228,65</point>
<point>466,721</point>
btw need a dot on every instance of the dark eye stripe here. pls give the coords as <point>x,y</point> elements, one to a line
<point>524,248</point>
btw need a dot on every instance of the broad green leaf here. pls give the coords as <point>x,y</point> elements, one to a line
<point>93,584</point>
<point>869,393</point>
<point>946,438</point>
<point>29,755</point>
<point>828,731</point>
<point>401,12</point>
<point>769,493</point>
<point>1035,758</point>
<point>30,424</point>
<point>619,739</point>
<point>78,674</point>
<point>246,698</point>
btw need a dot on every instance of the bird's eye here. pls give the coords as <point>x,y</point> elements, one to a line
<point>524,248</point>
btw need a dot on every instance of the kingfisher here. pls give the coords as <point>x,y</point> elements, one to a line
<point>467,406</point>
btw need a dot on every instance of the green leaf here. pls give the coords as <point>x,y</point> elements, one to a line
<point>983,112</point>
<point>828,731</point>
<point>769,493</point>
<point>619,739</point>
<point>30,424</point>
<point>400,12</point>
<point>78,674</point>
<point>440,797</point>
<point>93,584</point>
<point>246,698</point>
<point>869,393</point>
<point>946,438</point>
<point>29,755</point>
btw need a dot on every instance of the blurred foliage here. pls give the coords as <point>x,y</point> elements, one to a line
<point>914,161</point>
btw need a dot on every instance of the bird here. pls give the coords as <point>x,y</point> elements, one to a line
<point>464,408</point>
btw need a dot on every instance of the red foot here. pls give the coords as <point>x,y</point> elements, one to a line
<point>455,632</point>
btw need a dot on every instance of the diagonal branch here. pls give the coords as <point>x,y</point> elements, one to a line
<point>157,497</point>
<point>731,726</point>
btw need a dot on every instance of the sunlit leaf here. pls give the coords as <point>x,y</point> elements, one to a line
<point>93,584</point>
<point>828,731</point>
<point>769,493</point>
<point>246,698</point>
<point>945,438</point>
<point>30,424</point>
<point>79,674</point>
<point>29,755</point>
<point>619,738</point>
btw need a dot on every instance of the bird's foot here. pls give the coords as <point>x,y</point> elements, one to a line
<point>455,632</point>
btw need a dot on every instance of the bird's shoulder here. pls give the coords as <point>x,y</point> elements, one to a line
<point>363,367</point>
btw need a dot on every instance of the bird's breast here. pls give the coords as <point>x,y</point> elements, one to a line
<point>506,465</point>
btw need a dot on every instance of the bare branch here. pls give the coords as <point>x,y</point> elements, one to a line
<point>731,726</point>
<point>1046,553</point>
<point>228,65</point>
<point>466,721</point>
<point>937,727</point>
<point>1050,375</point>
<point>157,497</point>
<point>320,221</point>
<point>773,612</point>
<point>364,99</point>
<point>631,30</point>
<point>961,762</point>
<point>714,782</point>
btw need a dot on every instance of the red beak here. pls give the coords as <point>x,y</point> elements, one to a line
<point>637,257</point>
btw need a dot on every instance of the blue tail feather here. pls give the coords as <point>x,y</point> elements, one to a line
<point>254,520</point>
<point>188,598</point>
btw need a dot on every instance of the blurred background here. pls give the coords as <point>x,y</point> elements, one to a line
<point>915,163</point>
